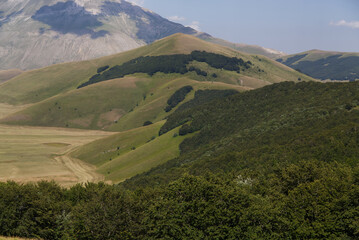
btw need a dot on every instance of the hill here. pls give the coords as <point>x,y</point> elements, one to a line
<point>325,65</point>
<point>254,131</point>
<point>121,102</point>
<point>250,167</point>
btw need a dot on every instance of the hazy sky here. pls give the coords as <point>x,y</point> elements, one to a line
<point>286,25</point>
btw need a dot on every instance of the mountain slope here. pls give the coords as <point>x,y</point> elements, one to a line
<point>325,65</point>
<point>35,33</point>
<point>246,48</point>
<point>251,133</point>
<point>124,103</point>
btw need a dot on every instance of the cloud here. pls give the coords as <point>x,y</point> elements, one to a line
<point>176,19</point>
<point>352,24</point>
<point>195,26</point>
<point>137,2</point>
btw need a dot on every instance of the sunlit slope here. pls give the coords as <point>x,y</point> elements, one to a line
<point>125,103</point>
<point>126,154</point>
<point>37,85</point>
<point>115,105</point>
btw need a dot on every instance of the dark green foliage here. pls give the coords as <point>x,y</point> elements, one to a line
<point>279,162</point>
<point>307,200</point>
<point>169,64</point>
<point>334,67</point>
<point>101,69</point>
<point>198,71</point>
<point>185,129</point>
<point>147,123</point>
<point>200,97</point>
<point>256,130</point>
<point>178,97</point>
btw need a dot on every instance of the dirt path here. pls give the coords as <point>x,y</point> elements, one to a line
<point>83,171</point>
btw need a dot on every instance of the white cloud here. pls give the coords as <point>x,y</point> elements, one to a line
<point>352,24</point>
<point>137,2</point>
<point>195,26</point>
<point>176,18</point>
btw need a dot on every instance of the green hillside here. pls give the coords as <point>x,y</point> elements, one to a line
<point>128,100</point>
<point>279,162</point>
<point>256,131</point>
<point>325,65</point>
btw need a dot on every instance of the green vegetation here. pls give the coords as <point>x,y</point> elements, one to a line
<point>101,69</point>
<point>168,64</point>
<point>178,97</point>
<point>325,65</point>
<point>253,168</point>
<point>123,155</point>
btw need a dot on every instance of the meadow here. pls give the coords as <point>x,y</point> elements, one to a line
<point>30,154</point>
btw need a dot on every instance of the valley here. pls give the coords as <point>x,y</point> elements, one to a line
<point>53,103</point>
<point>182,138</point>
<point>31,154</point>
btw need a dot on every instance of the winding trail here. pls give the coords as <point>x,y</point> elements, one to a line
<point>84,172</point>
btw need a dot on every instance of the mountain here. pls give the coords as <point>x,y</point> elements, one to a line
<point>75,95</point>
<point>251,49</point>
<point>38,33</point>
<point>325,65</point>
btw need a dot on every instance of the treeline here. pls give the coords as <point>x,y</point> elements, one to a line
<point>168,64</point>
<point>256,130</point>
<point>177,97</point>
<point>307,200</point>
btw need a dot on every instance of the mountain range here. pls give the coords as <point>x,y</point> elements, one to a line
<point>325,65</point>
<point>39,33</point>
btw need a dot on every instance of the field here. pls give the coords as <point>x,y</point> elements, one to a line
<point>33,153</point>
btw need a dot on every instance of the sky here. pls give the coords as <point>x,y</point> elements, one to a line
<point>290,26</point>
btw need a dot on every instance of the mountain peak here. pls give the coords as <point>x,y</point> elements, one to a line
<point>55,31</point>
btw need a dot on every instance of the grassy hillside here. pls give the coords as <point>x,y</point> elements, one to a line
<point>280,162</point>
<point>256,131</point>
<point>126,154</point>
<point>125,103</point>
<point>325,65</point>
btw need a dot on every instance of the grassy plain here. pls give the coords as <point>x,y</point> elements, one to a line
<point>34,153</point>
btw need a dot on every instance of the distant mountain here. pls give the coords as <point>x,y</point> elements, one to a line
<point>325,65</point>
<point>38,33</point>
<point>251,49</point>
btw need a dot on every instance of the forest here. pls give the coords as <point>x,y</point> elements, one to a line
<point>254,168</point>
<point>176,63</point>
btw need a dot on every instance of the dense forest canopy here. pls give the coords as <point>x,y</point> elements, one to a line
<point>176,63</point>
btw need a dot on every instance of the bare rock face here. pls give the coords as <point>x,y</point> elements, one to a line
<point>38,33</point>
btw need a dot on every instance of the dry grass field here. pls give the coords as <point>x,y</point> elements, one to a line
<point>34,153</point>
